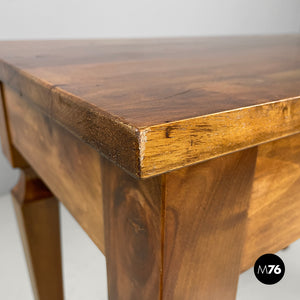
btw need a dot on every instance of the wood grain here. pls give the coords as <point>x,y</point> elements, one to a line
<point>150,81</point>
<point>133,218</point>
<point>211,136</point>
<point>126,98</point>
<point>206,213</point>
<point>274,212</point>
<point>68,166</point>
<point>38,219</point>
<point>179,235</point>
<point>151,107</point>
<point>14,157</point>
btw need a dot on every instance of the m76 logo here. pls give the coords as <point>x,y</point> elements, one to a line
<point>269,269</point>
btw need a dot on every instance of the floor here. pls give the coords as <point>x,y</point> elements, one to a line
<point>84,266</point>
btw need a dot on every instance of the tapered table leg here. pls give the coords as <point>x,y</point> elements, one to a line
<point>37,214</point>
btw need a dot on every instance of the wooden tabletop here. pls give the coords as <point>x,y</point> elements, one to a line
<point>154,105</point>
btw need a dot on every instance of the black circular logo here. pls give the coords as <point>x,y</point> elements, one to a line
<point>269,269</point>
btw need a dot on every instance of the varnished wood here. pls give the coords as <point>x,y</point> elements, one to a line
<point>211,136</point>
<point>133,234</point>
<point>179,235</point>
<point>69,167</point>
<point>205,223</point>
<point>274,212</point>
<point>211,96</point>
<point>13,156</point>
<point>38,219</point>
<point>37,136</point>
<point>106,124</point>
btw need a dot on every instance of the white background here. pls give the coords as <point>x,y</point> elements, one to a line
<point>139,18</point>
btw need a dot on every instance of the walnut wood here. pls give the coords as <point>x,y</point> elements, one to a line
<point>38,219</point>
<point>150,107</point>
<point>14,157</point>
<point>179,235</point>
<point>37,137</point>
<point>132,215</point>
<point>274,212</point>
<point>68,166</point>
<point>205,223</point>
<point>211,96</point>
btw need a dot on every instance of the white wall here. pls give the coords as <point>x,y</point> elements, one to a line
<point>37,19</point>
<point>33,19</point>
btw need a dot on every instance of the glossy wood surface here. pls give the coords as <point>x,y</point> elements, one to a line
<point>179,235</point>
<point>150,107</point>
<point>274,211</point>
<point>149,82</point>
<point>37,214</point>
<point>133,234</point>
<point>68,166</point>
<point>37,136</point>
<point>127,98</point>
<point>205,224</point>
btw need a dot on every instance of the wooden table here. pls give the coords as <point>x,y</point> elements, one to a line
<point>180,158</point>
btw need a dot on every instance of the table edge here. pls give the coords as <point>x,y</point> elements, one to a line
<point>148,151</point>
